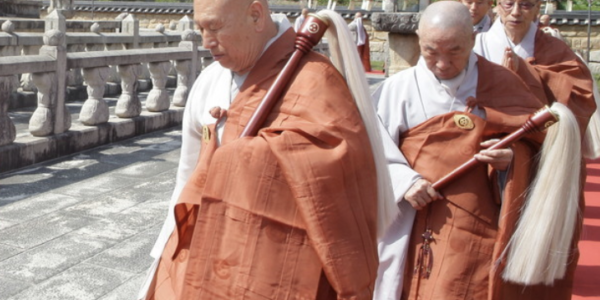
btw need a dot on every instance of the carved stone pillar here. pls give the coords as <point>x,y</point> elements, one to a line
<point>95,110</point>
<point>158,98</point>
<point>51,115</point>
<point>403,51</point>
<point>8,132</point>
<point>129,105</point>
<point>26,81</point>
<point>43,118</point>
<point>186,69</point>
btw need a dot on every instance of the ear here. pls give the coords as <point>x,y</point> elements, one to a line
<point>257,15</point>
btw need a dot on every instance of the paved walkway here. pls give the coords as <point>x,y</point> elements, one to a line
<point>81,227</point>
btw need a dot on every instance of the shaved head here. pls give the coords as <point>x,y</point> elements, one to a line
<point>235,31</point>
<point>446,38</point>
<point>446,15</point>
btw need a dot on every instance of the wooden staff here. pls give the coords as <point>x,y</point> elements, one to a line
<point>308,36</point>
<point>537,122</point>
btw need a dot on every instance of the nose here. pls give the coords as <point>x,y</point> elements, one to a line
<point>208,41</point>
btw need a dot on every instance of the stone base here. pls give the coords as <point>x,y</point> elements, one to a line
<point>30,150</point>
<point>403,52</point>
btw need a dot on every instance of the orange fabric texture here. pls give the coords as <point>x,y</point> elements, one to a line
<point>465,224</point>
<point>288,214</point>
<point>555,74</point>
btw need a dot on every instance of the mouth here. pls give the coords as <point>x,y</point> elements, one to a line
<point>216,57</point>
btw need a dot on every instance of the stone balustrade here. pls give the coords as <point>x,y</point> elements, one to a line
<point>48,72</point>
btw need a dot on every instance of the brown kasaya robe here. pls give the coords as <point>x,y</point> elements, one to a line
<point>555,73</point>
<point>288,214</point>
<point>470,226</point>
<point>364,51</point>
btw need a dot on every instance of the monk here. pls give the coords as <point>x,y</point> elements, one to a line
<point>437,115</point>
<point>300,19</point>
<point>287,214</point>
<point>361,38</point>
<point>554,73</point>
<point>480,14</point>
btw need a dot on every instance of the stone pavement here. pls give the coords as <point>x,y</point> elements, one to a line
<point>81,227</point>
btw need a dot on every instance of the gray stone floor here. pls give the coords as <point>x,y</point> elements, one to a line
<point>81,227</point>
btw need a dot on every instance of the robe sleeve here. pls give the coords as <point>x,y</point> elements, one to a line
<point>390,128</point>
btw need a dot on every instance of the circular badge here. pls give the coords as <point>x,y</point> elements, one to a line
<point>463,122</point>
<point>313,27</point>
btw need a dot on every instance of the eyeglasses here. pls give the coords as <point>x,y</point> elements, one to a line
<point>508,5</point>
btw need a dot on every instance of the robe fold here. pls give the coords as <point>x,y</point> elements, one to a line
<point>288,214</point>
<point>466,223</point>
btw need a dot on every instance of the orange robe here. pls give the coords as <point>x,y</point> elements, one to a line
<point>364,51</point>
<point>469,226</point>
<point>555,73</point>
<point>288,214</point>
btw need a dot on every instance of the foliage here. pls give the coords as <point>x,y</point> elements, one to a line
<point>579,5</point>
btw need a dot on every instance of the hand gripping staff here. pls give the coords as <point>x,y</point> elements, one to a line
<point>308,36</point>
<point>537,122</point>
<point>539,248</point>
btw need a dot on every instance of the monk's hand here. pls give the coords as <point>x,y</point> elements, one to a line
<point>510,59</point>
<point>500,159</point>
<point>421,193</point>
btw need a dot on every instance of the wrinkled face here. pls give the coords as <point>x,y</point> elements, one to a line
<point>446,51</point>
<point>518,15</point>
<point>477,8</point>
<point>227,30</point>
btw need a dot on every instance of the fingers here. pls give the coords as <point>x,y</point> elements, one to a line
<point>421,193</point>
<point>489,143</point>
<point>500,159</point>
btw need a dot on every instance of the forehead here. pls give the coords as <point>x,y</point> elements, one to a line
<point>442,36</point>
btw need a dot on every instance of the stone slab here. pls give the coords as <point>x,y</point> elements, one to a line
<point>131,255</point>
<point>82,282</point>
<point>128,290</point>
<point>52,258</point>
<point>9,287</point>
<point>41,230</point>
<point>35,206</point>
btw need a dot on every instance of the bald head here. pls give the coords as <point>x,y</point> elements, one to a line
<point>446,15</point>
<point>235,31</point>
<point>446,38</point>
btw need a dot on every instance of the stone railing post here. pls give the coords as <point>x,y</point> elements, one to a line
<point>131,26</point>
<point>185,23</point>
<point>13,49</point>
<point>129,104</point>
<point>95,110</point>
<point>8,132</point>
<point>158,98</point>
<point>51,115</point>
<point>186,69</point>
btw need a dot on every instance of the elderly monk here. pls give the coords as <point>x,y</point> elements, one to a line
<point>554,73</point>
<point>439,114</point>
<point>287,214</point>
<point>480,14</point>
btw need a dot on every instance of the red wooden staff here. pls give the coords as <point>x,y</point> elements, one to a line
<point>308,36</point>
<point>537,122</point>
